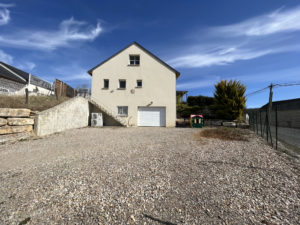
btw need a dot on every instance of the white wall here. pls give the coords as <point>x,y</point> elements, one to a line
<point>71,114</point>
<point>159,85</point>
<point>31,88</point>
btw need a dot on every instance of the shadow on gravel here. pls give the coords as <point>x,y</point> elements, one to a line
<point>158,220</point>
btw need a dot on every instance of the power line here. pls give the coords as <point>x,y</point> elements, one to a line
<point>258,91</point>
<point>287,84</point>
<point>274,85</point>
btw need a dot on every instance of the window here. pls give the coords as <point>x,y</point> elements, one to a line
<point>134,60</point>
<point>122,84</point>
<point>106,83</point>
<point>122,110</point>
<point>139,83</point>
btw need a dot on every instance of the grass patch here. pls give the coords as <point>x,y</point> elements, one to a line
<point>36,103</point>
<point>224,133</point>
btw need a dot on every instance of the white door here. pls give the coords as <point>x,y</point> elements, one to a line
<point>151,116</point>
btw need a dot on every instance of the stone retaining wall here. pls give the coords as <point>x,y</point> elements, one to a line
<point>15,124</point>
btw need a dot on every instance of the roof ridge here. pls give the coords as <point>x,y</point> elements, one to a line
<point>144,49</point>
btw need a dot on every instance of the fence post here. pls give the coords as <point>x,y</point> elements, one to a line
<point>256,121</point>
<point>267,130</point>
<point>276,126</point>
<point>26,94</point>
<point>56,94</point>
<point>260,124</point>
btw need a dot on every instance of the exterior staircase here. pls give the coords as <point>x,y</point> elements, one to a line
<point>121,121</point>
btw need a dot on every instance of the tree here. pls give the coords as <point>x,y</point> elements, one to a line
<point>201,101</point>
<point>229,99</point>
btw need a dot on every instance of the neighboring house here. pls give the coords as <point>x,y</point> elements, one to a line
<point>181,96</point>
<point>137,87</point>
<point>83,92</point>
<point>14,81</point>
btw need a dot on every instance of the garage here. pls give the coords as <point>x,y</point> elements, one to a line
<point>152,116</point>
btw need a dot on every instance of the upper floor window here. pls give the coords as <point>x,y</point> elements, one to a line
<point>106,83</point>
<point>139,83</point>
<point>122,84</point>
<point>134,60</point>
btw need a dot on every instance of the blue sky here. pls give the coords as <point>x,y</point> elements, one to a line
<point>256,42</point>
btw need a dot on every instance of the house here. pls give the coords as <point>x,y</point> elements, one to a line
<point>181,96</point>
<point>14,81</point>
<point>136,87</point>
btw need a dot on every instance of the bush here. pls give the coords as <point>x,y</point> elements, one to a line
<point>229,99</point>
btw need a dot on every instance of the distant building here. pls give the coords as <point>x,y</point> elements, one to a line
<point>14,81</point>
<point>84,92</point>
<point>181,96</point>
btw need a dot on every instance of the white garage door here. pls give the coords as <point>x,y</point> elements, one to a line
<point>152,116</point>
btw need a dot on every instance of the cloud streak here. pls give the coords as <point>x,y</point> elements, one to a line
<point>5,13</point>
<point>220,57</point>
<point>275,22</point>
<point>69,31</point>
<point>256,37</point>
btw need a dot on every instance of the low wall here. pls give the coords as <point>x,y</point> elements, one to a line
<point>73,113</point>
<point>15,124</point>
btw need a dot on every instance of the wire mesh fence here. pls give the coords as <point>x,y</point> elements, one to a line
<point>280,126</point>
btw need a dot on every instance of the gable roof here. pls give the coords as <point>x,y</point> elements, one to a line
<point>15,74</point>
<point>12,73</point>
<point>145,50</point>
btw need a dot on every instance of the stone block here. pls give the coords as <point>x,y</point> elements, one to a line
<point>8,112</point>
<point>229,124</point>
<point>14,137</point>
<point>15,129</point>
<point>20,121</point>
<point>3,122</point>
<point>34,113</point>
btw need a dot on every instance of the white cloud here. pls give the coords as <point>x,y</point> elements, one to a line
<point>5,13</point>
<point>246,40</point>
<point>272,23</point>
<point>219,57</point>
<point>4,5</point>
<point>68,32</point>
<point>5,57</point>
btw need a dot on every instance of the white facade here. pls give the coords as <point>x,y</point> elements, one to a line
<point>150,88</point>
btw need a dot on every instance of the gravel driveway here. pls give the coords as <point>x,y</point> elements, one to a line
<point>145,176</point>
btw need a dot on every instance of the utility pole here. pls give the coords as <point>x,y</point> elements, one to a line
<point>270,109</point>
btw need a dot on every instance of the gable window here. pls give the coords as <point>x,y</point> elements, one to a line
<point>106,83</point>
<point>134,60</point>
<point>123,110</point>
<point>122,84</point>
<point>139,83</point>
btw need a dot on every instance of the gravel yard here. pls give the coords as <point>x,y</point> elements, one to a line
<point>145,176</point>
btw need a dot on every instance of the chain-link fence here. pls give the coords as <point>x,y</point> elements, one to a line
<point>280,127</point>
